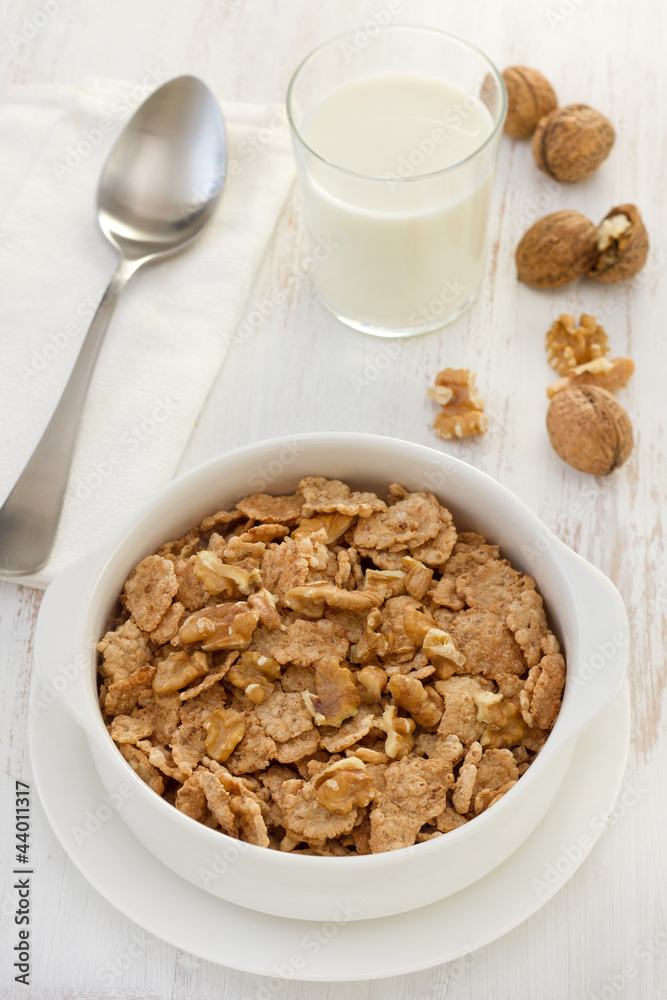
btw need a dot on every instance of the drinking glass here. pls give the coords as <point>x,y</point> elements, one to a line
<point>398,247</point>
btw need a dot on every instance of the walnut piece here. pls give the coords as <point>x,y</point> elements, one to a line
<point>219,578</point>
<point>385,582</point>
<point>372,681</point>
<point>462,413</point>
<point>589,429</point>
<point>505,725</point>
<point>311,600</point>
<point>226,626</point>
<point>418,577</point>
<point>571,142</point>
<point>569,345</point>
<point>399,730</point>
<point>530,97</point>
<point>263,603</point>
<point>443,653</point>
<point>336,696</point>
<point>343,785</point>
<point>334,525</point>
<point>556,249</point>
<point>417,625</point>
<point>610,374</point>
<point>423,703</point>
<point>177,670</point>
<point>372,643</point>
<point>255,675</point>
<point>225,728</point>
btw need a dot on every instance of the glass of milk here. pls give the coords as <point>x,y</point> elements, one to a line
<point>396,133</point>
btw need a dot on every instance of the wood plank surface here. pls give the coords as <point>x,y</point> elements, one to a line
<point>603,935</point>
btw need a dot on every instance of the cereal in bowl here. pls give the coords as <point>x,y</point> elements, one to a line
<point>329,672</point>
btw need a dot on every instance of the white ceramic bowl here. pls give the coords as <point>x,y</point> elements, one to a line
<point>585,609</point>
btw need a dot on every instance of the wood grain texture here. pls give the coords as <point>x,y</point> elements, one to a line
<point>301,370</point>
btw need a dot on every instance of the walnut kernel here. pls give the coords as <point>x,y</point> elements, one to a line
<point>343,785</point>
<point>255,675</point>
<point>400,740</point>
<point>372,681</point>
<point>569,345</point>
<point>219,578</point>
<point>622,245</point>
<point>336,696</point>
<point>224,729</point>
<point>610,374</point>
<point>227,626</point>
<point>462,413</point>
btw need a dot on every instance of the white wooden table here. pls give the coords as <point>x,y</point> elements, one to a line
<point>603,934</point>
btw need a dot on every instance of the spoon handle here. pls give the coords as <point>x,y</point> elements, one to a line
<point>29,517</point>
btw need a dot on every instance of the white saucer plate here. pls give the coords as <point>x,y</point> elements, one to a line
<point>136,883</point>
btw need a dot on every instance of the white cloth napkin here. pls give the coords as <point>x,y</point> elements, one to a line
<point>173,324</point>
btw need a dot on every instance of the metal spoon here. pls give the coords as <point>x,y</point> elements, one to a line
<point>157,191</point>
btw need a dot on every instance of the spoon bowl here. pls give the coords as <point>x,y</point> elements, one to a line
<point>161,182</point>
<point>157,191</point>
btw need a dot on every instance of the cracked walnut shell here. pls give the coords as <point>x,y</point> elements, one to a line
<point>530,97</point>
<point>571,142</point>
<point>622,245</point>
<point>589,429</point>
<point>557,249</point>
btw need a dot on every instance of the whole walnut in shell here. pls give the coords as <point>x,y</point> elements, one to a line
<point>589,429</point>
<point>530,97</point>
<point>571,142</point>
<point>622,245</point>
<point>557,249</point>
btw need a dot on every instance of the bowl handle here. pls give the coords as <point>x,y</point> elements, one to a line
<point>595,680</point>
<point>64,668</point>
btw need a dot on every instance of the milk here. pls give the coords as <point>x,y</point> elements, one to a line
<point>408,239</point>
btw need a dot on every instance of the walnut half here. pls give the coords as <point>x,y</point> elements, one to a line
<point>462,412</point>
<point>225,728</point>
<point>336,695</point>
<point>344,785</point>
<point>227,626</point>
